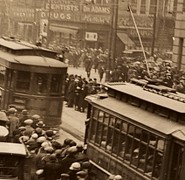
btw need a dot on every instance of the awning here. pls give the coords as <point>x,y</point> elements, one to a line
<point>125,39</point>
<point>63,30</point>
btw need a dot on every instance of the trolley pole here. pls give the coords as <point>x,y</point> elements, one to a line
<point>137,30</point>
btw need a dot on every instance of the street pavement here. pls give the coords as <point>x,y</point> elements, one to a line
<point>73,125</point>
<point>73,122</point>
<point>81,71</point>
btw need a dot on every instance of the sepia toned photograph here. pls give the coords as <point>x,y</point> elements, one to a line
<point>92,89</point>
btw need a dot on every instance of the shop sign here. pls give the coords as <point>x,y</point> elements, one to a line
<point>60,15</point>
<point>23,14</point>
<point>141,21</point>
<point>63,5</point>
<point>97,19</point>
<point>91,36</point>
<point>96,9</point>
<point>144,33</point>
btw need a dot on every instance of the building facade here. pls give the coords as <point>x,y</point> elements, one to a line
<point>97,24</point>
<point>179,36</point>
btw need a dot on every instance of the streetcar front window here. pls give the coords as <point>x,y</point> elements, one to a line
<point>55,83</point>
<point>40,83</point>
<point>23,80</point>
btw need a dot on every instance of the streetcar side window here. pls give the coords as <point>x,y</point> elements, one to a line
<point>135,146</point>
<point>23,80</point>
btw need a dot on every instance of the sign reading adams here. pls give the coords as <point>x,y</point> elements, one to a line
<point>71,10</point>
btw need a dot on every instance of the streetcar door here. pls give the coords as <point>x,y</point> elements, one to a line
<point>177,162</point>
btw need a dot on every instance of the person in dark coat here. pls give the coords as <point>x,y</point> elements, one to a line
<point>88,65</point>
<point>52,169</point>
<point>77,95</point>
<point>84,93</point>
<point>73,169</point>
<point>23,116</point>
<point>71,92</point>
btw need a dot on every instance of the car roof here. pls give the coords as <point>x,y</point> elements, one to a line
<point>12,148</point>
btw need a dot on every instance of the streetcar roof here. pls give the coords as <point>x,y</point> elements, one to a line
<point>19,45</point>
<point>13,44</point>
<point>6,58</point>
<point>39,61</point>
<point>137,115</point>
<point>138,92</point>
<point>12,148</point>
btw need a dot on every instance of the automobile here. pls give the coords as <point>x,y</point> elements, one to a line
<point>12,158</point>
<point>135,54</point>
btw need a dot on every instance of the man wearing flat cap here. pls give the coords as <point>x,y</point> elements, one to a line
<point>13,122</point>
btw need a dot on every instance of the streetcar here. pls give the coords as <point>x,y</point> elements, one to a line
<point>31,78</point>
<point>136,131</point>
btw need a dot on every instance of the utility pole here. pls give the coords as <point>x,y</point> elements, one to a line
<point>48,25</point>
<point>154,28</point>
<point>112,37</point>
<point>114,33</point>
<point>35,23</point>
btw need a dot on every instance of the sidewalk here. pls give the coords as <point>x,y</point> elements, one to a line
<point>73,123</point>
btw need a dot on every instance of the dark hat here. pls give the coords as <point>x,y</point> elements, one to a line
<point>82,174</point>
<point>56,144</point>
<point>72,143</point>
<point>40,124</point>
<point>67,141</point>
<point>49,133</point>
<point>38,130</point>
<point>86,165</point>
<point>79,147</point>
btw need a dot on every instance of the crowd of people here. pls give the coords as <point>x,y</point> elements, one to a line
<point>125,69</point>
<point>48,159</point>
<point>77,88</point>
